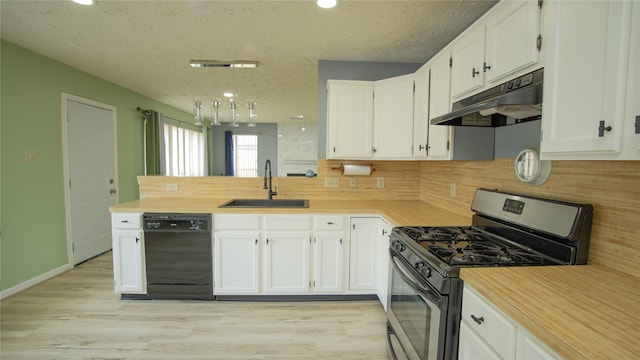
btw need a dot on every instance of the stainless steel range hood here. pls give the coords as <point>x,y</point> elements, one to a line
<point>512,102</point>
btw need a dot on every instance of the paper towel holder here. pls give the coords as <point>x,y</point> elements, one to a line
<point>355,169</point>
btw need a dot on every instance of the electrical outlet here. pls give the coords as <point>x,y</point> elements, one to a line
<point>30,157</point>
<point>172,187</point>
<point>452,190</point>
<point>353,183</point>
<point>380,182</point>
<point>331,182</point>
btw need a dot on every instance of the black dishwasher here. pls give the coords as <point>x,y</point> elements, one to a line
<point>178,256</point>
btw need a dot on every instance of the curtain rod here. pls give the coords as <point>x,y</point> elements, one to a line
<point>148,112</point>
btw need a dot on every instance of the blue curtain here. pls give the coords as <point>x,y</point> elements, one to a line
<point>228,153</point>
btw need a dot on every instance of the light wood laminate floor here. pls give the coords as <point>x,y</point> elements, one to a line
<point>77,316</point>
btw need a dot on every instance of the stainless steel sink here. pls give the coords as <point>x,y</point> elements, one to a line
<point>266,203</point>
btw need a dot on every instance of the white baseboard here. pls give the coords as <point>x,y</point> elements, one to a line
<point>34,281</point>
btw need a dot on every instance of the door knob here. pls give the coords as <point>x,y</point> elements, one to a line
<point>112,191</point>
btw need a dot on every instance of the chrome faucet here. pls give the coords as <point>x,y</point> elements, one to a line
<point>268,177</point>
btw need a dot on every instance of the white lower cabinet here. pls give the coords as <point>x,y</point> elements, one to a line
<point>236,262</point>
<point>286,262</point>
<point>487,333</point>
<point>328,262</point>
<point>128,253</point>
<point>382,264</point>
<point>280,254</point>
<point>363,254</point>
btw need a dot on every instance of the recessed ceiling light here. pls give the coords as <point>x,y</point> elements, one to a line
<point>84,2</point>
<point>297,117</point>
<point>246,64</point>
<point>326,4</point>
<point>228,94</point>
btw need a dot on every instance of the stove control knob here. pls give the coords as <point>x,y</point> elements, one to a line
<point>423,269</point>
<point>398,246</point>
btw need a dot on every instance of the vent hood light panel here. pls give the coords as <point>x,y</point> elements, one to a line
<point>513,102</point>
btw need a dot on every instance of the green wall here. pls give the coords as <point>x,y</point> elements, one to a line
<point>32,209</point>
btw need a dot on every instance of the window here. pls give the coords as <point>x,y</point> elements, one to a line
<point>246,155</point>
<point>183,150</point>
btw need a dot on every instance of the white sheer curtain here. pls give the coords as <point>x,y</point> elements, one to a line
<point>184,149</point>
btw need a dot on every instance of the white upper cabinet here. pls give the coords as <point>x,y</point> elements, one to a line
<point>364,126</point>
<point>587,57</point>
<point>421,112</point>
<point>512,33</point>
<point>393,118</point>
<point>502,45</point>
<point>349,119</point>
<point>440,136</point>
<point>467,53</point>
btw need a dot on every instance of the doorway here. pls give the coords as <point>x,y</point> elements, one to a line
<point>91,184</point>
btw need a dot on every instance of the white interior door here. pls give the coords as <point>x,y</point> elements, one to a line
<point>91,176</point>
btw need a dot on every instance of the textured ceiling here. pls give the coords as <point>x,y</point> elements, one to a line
<point>146,46</point>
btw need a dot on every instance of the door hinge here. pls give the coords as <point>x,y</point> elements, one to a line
<point>451,61</point>
<point>540,4</point>
<point>638,124</point>
<point>353,226</point>
<point>448,145</point>
<point>69,183</point>
<point>73,247</point>
<point>340,241</point>
<point>539,42</point>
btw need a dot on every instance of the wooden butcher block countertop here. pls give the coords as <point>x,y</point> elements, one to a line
<point>400,212</point>
<point>581,312</point>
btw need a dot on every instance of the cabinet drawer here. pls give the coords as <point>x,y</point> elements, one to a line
<point>287,222</point>
<point>498,332</point>
<point>330,222</point>
<point>126,220</point>
<point>236,222</point>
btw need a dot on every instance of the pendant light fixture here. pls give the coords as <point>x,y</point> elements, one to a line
<point>197,113</point>
<point>215,112</point>
<point>252,114</point>
<point>233,121</point>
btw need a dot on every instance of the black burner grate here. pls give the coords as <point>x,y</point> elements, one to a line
<point>466,246</point>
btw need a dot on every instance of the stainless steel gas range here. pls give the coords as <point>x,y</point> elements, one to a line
<point>425,290</point>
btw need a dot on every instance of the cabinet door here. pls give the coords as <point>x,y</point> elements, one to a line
<point>128,262</point>
<point>236,262</point>
<point>362,256</point>
<point>529,347</point>
<point>393,118</point>
<point>287,262</point>
<point>467,73</point>
<point>384,230</point>
<point>511,38</point>
<point>421,113</point>
<point>473,347</point>
<point>439,143</point>
<point>495,329</point>
<point>328,262</point>
<point>586,55</point>
<point>350,119</point>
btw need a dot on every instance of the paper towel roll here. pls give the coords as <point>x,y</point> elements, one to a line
<point>356,170</point>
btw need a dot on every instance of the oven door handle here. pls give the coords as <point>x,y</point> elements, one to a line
<point>423,290</point>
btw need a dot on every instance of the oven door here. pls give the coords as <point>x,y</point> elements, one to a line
<point>415,314</point>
